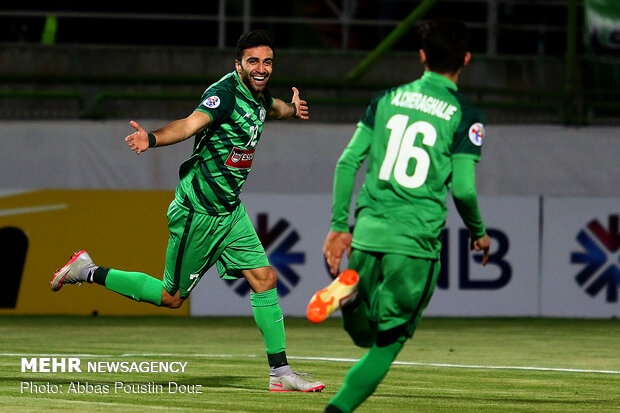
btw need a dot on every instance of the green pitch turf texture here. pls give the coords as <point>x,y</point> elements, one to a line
<point>451,365</point>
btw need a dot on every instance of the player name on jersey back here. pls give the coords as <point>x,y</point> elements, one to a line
<point>424,103</point>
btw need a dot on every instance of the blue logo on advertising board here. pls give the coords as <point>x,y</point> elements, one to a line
<point>601,271</point>
<point>281,257</point>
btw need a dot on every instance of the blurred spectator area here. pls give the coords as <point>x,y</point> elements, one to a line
<point>533,59</point>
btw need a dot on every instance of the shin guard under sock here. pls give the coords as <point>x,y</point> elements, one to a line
<point>270,322</point>
<point>135,285</point>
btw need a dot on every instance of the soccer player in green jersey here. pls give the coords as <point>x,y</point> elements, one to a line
<point>207,221</point>
<point>419,139</point>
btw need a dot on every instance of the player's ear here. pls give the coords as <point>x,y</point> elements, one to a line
<point>422,57</point>
<point>466,59</point>
<point>237,66</point>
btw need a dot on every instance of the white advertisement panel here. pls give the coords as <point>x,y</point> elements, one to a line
<point>508,284</point>
<point>293,228</point>
<point>581,250</point>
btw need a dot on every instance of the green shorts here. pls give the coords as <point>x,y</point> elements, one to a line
<point>394,289</point>
<point>197,241</point>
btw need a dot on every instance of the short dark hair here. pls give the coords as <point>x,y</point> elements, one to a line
<point>251,39</point>
<point>445,42</point>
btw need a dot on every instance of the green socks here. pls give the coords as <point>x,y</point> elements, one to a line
<point>135,285</point>
<point>365,375</point>
<point>270,322</point>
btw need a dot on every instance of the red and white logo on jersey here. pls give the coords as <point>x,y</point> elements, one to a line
<point>240,158</point>
<point>476,134</point>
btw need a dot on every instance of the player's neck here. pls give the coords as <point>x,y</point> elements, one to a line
<point>452,76</point>
<point>256,95</point>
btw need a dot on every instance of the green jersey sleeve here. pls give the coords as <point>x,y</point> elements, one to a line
<point>469,134</point>
<point>464,194</point>
<point>344,177</point>
<point>217,102</point>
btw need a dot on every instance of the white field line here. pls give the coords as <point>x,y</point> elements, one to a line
<point>31,210</point>
<point>465,366</point>
<point>331,359</point>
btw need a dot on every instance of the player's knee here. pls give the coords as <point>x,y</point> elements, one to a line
<point>173,304</point>
<point>388,337</point>
<point>269,282</point>
<point>261,279</point>
<point>362,334</point>
<point>171,301</point>
<point>356,323</point>
<point>362,339</point>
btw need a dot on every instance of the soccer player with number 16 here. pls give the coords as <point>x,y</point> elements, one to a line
<point>420,139</point>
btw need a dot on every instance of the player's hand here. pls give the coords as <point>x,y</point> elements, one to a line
<point>139,140</point>
<point>481,244</point>
<point>336,243</point>
<point>301,105</point>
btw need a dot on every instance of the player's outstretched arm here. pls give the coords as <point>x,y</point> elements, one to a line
<point>336,243</point>
<point>174,132</point>
<point>297,108</point>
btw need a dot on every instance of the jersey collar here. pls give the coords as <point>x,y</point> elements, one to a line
<point>437,78</point>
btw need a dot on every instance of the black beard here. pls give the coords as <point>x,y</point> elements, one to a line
<point>245,78</point>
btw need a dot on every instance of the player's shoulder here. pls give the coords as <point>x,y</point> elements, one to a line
<point>369,116</point>
<point>470,131</point>
<point>220,95</point>
<point>467,108</point>
<point>225,85</point>
<point>385,94</point>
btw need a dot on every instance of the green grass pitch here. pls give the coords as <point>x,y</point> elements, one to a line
<point>451,365</point>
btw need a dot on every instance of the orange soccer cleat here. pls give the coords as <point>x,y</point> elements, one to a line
<point>334,296</point>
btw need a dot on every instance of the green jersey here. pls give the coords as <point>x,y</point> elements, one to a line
<point>409,135</point>
<point>212,178</point>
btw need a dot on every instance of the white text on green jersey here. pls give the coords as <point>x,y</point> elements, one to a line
<point>424,103</point>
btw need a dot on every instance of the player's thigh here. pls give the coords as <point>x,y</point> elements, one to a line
<point>358,319</point>
<point>242,248</point>
<point>405,289</point>
<point>368,266</point>
<point>194,243</point>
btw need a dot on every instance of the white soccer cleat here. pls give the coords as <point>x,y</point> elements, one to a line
<point>294,382</point>
<point>340,292</point>
<point>70,273</point>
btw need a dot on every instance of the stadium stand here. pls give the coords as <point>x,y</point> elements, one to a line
<point>79,61</point>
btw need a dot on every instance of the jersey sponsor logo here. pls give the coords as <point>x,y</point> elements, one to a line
<point>240,158</point>
<point>476,134</point>
<point>278,242</point>
<point>212,102</point>
<point>601,271</point>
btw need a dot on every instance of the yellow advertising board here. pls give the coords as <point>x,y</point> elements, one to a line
<point>40,230</point>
